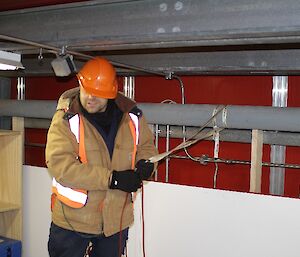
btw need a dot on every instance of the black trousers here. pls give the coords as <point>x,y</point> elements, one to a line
<point>67,243</point>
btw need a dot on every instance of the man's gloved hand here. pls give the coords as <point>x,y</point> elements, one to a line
<point>126,180</point>
<point>144,169</point>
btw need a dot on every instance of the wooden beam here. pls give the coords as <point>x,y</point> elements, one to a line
<point>18,125</point>
<point>256,161</point>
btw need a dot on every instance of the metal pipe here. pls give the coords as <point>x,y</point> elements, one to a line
<point>237,135</point>
<point>204,159</point>
<point>28,108</point>
<point>34,145</point>
<point>238,117</point>
<point>37,123</point>
<point>227,135</point>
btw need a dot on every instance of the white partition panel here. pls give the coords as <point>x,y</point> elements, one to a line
<point>182,221</point>
<point>188,221</point>
<point>36,211</point>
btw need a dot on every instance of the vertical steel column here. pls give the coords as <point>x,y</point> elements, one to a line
<point>279,96</point>
<point>129,85</point>
<point>21,88</point>
<point>5,122</point>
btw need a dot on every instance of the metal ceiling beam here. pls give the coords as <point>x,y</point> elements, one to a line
<point>218,62</point>
<point>193,31</point>
<point>99,25</point>
<point>194,63</point>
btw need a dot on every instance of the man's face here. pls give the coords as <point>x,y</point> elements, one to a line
<point>92,104</point>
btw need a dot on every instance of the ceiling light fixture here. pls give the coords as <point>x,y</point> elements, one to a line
<point>10,61</point>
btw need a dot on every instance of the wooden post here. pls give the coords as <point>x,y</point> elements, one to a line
<point>256,161</point>
<point>18,125</point>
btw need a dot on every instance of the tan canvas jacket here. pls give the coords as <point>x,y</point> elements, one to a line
<point>103,211</point>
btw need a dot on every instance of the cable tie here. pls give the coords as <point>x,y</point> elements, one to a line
<point>214,120</point>
<point>224,117</point>
<point>169,75</point>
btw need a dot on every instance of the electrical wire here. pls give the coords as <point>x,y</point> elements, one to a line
<point>216,111</point>
<point>216,174</point>
<point>82,235</point>
<point>168,101</point>
<point>121,221</point>
<point>184,130</point>
<point>94,236</point>
<point>170,76</point>
<point>216,139</point>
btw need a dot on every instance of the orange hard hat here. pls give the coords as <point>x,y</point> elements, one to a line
<point>98,78</point>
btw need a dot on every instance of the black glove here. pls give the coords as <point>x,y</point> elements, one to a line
<point>144,168</point>
<point>126,180</point>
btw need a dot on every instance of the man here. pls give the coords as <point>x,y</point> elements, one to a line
<point>97,149</point>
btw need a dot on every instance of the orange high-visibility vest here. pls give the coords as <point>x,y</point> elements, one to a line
<point>77,198</point>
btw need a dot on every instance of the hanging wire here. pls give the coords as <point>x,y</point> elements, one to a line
<point>216,137</point>
<point>170,76</point>
<point>157,131</point>
<point>182,101</point>
<point>169,101</point>
<point>167,149</point>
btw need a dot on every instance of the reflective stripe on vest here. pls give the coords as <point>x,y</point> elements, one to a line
<point>134,128</point>
<point>77,128</point>
<point>73,198</point>
<point>77,198</point>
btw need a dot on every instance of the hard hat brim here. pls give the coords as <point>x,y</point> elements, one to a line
<point>89,87</point>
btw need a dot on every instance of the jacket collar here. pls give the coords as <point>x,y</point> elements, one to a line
<point>69,101</point>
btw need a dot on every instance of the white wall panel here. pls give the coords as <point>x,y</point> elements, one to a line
<point>183,221</point>
<point>36,211</point>
<point>189,221</point>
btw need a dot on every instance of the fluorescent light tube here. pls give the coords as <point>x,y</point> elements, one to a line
<point>10,61</point>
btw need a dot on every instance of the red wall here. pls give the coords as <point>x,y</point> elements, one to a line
<point>234,90</point>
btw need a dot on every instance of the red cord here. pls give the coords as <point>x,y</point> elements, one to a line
<point>143,224</point>
<point>121,221</point>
